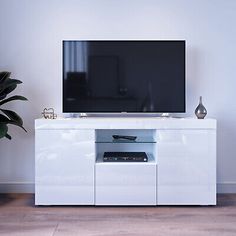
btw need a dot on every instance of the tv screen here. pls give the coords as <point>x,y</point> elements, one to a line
<point>124,76</point>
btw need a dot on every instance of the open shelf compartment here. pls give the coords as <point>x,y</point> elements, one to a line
<point>143,136</point>
<point>145,142</point>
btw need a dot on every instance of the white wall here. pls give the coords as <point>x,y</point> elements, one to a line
<point>30,47</point>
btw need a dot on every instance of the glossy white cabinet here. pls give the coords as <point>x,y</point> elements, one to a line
<point>64,167</point>
<point>182,170</point>
<point>186,167</point>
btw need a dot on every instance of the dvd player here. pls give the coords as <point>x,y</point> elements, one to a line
<point>125,157</point>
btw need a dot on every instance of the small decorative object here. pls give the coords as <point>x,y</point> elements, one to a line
<point>48,113</point>
<point>200,111</point>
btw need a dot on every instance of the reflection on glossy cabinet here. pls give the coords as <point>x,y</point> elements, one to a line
<point>64,167</point>
<point>186,167</point>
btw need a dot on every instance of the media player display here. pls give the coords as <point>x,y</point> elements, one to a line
<point>123,76</point>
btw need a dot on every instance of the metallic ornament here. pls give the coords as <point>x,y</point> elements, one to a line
<point>200,111</point>
<point>48,113</point>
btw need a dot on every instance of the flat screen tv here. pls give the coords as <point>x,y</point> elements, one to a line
<point>116,76</point>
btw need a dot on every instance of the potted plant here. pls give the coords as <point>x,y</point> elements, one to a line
<point>7,85</point>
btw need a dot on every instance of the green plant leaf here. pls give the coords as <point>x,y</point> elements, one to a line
<point>16,97</point>
<point>14,123</point>
<point>17,124</point>
<point>4,75</point>
<point>3,119</point>
<point>10,82</point>
<point>3,130</point>
<point>6,91</point>
<point>2,96</point>
<point>8,136</point>
<point>9,85</point>
<point>13,116</point>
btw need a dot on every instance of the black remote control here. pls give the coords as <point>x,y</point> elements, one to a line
<point>132,138</point>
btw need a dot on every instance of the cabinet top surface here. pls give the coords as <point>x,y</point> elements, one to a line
<point>125,123</point>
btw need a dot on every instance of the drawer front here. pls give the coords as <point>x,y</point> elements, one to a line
<point>125,184</point>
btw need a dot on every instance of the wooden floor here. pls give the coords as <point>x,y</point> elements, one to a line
<point>19,216</point>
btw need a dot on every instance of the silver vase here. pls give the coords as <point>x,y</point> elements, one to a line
<point>200,111</point>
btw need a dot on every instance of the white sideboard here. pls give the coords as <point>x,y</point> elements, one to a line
<point>181,169</point>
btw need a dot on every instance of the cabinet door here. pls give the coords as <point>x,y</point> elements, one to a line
<point>64,167</point>
<point>186,167</point>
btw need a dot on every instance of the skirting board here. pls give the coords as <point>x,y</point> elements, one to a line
<point>27,187</point>
<point>226,187</point>
<point>17,187</point>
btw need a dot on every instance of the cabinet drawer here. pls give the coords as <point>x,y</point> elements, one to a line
<point>125,184</point>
